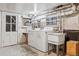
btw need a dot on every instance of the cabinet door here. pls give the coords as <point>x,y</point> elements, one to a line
<point>71,23</point>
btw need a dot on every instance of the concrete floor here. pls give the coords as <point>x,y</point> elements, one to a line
<point>17,50</point>
<point>22,50</point>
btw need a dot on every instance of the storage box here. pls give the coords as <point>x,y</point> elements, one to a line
<point>73,48</point>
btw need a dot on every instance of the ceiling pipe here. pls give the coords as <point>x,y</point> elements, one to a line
<point>56,9</point>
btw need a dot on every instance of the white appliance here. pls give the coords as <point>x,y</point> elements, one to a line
<point>38,39</point>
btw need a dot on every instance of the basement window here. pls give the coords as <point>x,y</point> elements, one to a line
<point>10,23</point>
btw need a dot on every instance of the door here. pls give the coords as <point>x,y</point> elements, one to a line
<point>9,28</point>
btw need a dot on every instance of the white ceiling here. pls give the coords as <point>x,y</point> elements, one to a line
<point>26,7</point>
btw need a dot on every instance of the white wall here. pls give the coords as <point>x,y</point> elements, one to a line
<point>0,30</point>
<point>71,23</point>
<point>23,8</point>
<point>19,29</point>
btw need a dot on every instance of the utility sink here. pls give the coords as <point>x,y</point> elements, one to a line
<point>56,33</point>
<point>56,37</point>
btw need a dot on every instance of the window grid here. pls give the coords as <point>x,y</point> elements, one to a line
<point>10,23</point>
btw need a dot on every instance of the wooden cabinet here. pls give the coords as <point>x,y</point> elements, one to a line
<point>73,48</point>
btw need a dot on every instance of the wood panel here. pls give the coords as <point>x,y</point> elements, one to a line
<point>73,48</point>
